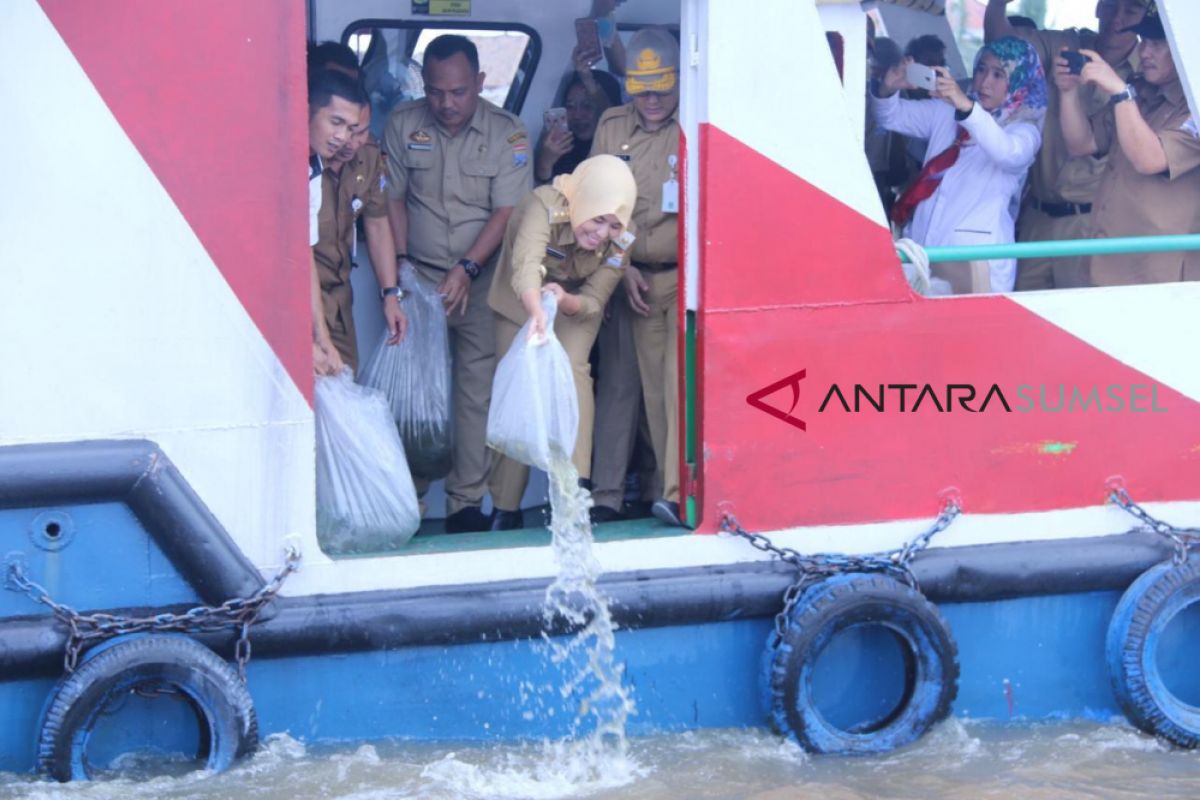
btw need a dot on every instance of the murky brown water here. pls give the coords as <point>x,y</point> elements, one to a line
<point>958,760</point>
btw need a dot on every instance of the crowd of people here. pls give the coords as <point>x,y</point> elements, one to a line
<point>448,197</point>
<point>1059,135</point>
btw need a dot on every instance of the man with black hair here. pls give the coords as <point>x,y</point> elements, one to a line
<point>1060,188</point>
<point>353,185</point>
<point>335,105</point>
<point>457,165</point>
<point>1151,180</point>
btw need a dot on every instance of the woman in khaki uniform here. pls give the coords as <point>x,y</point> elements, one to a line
<point>572,239</point>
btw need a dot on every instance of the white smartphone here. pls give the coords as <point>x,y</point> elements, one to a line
<point>555,118</point>
<point>921,76</point>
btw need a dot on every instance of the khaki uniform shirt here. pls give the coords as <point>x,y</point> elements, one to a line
<point>620,133</point>
<point>539,247</point>
<point>1130,204</point>
<point>358,188</point>
<point>452,184</point>
<point>1056,177</point>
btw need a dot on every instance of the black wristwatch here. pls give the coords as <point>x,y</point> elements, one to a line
<point>1129,93</point>
<point>391,291</point>
<point>472,268</point>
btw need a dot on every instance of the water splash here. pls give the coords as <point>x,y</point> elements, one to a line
<point>593,677</point>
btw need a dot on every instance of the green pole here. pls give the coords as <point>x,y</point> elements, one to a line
<point>1062,249</point>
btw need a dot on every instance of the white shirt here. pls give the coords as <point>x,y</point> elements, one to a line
<point>315,168</point>
<point>978,199</point>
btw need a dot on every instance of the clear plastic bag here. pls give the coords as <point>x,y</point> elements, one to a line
<point>534,416</point>
<point>415,377</point>
<point>365,496</point>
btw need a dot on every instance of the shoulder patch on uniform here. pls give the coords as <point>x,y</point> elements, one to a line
<point>614,261</point>
<point>520,159</point>
<point>518,136</point>
<point>1191,127</point>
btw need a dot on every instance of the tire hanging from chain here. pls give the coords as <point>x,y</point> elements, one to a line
<point>1145,610</point>
<point>154,655</point>
<point>835,593</point>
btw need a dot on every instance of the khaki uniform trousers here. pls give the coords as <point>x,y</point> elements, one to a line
<point>620,411</point>
<point>657,340</point>
<point>473,364</point>
<point>577,336</point>
<point>345,340</point>
<point>1051,273</point>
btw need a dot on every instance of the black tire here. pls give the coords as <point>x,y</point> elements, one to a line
<point>224,709</point>
<point>1131,649</point>
<point>850,600</point>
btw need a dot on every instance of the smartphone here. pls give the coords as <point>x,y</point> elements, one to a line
<point>921,76</point>
<point>587,35</point>
<point>1075,60</point>
<point>555,118</point>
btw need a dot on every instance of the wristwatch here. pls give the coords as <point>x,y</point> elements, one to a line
<point>391,291</point>
<point>472,268</point>
<point>1129,93</point>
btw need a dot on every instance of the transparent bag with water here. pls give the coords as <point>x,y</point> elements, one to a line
<point>534,416</point>
<point>414,375</point>
<point>366,501</point>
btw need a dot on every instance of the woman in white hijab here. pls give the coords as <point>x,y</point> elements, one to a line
<point>572,239</point>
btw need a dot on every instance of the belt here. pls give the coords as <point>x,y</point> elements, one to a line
<point>1062,209</point>
<point>663,266</point>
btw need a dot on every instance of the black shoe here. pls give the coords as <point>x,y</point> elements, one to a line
<point>601,514</point>
<point>667,513</point>
<point>637,509</point>
<point>467,520</point>
<point>507,520</point>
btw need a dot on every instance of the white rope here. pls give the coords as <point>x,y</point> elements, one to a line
<point>916,269</point>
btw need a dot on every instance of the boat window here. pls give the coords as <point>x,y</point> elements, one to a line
<point>391,53</point>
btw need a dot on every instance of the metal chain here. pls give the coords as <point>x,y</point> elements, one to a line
<point>1183,539</point>
<point>811,568</point>
<point>83,630</point>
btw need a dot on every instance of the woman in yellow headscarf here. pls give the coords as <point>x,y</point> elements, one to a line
<point>571,238</point>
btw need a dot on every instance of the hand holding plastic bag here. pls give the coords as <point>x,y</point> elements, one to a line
<point>534,416</point>
<point>414,375</point>
<point>365,496</point>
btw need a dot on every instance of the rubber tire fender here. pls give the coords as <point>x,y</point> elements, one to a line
<point>224,709</point>
<point>1131,649</point>
<point>847,600</point>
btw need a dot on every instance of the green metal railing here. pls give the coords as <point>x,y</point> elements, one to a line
<point>1062,249</point>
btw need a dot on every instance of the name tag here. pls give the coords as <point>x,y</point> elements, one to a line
<point>670,197</point>
<point>558,254</point>
<point>419,146</point>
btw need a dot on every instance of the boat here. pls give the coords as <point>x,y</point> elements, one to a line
<point>157,427</point>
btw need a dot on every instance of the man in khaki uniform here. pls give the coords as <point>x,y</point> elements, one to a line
<point>353,184</point>
<point>1060,193</point>
<point>457,166</point>
<point>1151,183</point>
<point>645,134</point>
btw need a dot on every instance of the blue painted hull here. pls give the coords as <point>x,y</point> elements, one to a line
<point>1026,659</point>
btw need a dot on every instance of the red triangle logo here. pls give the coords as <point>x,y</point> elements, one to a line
<point>791,381</point>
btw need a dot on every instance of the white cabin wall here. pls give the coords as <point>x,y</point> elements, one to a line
<point>851,23</point>
<point>1184,16</point>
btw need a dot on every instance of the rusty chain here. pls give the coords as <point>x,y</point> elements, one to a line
<point>1182,539</point>
<point>84,630</point>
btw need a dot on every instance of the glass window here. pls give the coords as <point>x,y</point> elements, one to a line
<point>391,54</point>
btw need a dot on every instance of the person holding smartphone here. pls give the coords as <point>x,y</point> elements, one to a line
<point>1061,188</point>
<point>981,145</point>
<point>567,136</point>
<point>1151,180</point>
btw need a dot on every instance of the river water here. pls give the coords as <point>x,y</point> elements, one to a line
<point>956,760</point>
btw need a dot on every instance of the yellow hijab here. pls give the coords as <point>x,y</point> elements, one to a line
<point>599,186</point>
